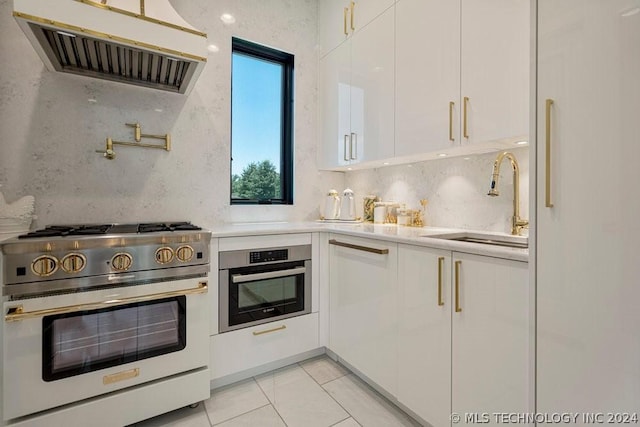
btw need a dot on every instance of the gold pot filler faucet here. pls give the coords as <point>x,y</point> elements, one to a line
<point>517,224</point>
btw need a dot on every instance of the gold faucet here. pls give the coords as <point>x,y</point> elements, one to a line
<point>517,224</point>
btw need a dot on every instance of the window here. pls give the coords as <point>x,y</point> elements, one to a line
<point>261,125</point>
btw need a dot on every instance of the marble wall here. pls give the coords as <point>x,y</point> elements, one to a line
<point>52,123</point>
<point>456,190</point>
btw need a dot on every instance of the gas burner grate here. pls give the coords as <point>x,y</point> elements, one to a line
<point>163,226</point>
<point>67,230</point>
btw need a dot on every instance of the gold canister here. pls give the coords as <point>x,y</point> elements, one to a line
<point>368,207</point>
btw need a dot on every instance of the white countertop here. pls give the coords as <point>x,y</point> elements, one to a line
<point>388,232</point>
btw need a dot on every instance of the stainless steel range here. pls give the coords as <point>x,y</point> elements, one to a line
<point>96,315</point>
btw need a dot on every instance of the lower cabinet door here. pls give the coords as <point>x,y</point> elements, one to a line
<point>490,337</point>
<point>424,332</point>
<point>248,348</point>
<point>363,288</point>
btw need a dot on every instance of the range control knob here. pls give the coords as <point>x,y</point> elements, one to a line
<point>73,262</point>
<point>44,265</point>
<point>164,255</point>
<point>121,261</point>
<point>184,253</point>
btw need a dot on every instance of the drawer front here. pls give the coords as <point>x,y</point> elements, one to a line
<point>247,348</point>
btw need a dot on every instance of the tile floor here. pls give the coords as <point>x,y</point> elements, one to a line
<point>314,393</point>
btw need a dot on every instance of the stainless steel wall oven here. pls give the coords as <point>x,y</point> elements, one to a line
<point>260,286</point>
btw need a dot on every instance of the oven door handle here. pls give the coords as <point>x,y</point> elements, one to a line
<point>241,278</point>
<point>15,314</point>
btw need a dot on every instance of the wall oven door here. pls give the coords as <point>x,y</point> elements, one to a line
<point>65,348</point>
<point>255,294</point>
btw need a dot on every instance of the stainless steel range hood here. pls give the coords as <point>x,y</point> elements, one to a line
<point>126,41</point>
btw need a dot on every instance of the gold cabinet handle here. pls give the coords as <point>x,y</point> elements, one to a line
<point>15,314</point>
<point>346,10</point>
<point>353,5</point>
<point>451,105</point>
<point>359,248</point>
<point>347,154</point>
<point>458,308</point>
<point>440,267</point>
<point>547,196</point>
<point>465,131</point>
<point>353,139</point>
<point>268,331</point>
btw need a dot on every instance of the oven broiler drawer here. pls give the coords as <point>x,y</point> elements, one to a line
<point>34,380</point>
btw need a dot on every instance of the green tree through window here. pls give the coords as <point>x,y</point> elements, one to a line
<point>259,181</point>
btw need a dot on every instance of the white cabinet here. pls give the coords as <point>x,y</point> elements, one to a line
<point>462,70</point>
<point>427,75</point>
<point>466,357</point>
<point>495,70</point>
<point>587,270</point>
<point>236,351</point>
<point>490,336</point>
<point>357,96</point>
<point>363,292</point>
<point>424,332</point>
<point>339,19</point>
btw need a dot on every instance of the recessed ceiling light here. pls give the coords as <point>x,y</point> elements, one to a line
<point>521,142</point>
<point>92,100</point>
<point>227,18</point>
<point>442,155</point>
<point>349,169</point>
<point>213,48</point>
<point>158,110</point>
<point>385,163</point>
<point>467,158</point>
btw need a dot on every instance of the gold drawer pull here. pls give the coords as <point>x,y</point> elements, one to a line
<point>353,5</point>
<point>120,376</point>
<point>346,10</point>
<point>451,105</point>
<point>268,331</point>
<point>465,105</point>
<point>359,248</point>
<point>547,195</point>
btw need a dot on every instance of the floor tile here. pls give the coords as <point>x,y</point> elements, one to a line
<point>299,400</point>
<point>365,405</point>
<point>323,369</point>
<point>229,402</point>
<point>183,417</point>
<point>263,417</point>
<point>349,422</point>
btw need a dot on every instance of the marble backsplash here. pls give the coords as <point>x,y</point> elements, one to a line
<point>52,123</point>
<point>456,189</point>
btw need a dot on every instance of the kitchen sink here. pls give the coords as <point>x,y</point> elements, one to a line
<point>506,240</point>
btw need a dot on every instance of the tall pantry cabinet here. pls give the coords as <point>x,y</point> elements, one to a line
<point>588,207</point>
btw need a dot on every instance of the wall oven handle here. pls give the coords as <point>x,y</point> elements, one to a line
<point>359,248</point>
<point>15,314</point>
<point>241,278</point>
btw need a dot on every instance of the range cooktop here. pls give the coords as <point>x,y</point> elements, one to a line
<point>97,229</point>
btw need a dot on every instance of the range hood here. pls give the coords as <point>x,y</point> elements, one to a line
<point>126,41</point>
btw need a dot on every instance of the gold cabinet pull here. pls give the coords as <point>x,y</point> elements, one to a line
<point>17,313</point>
<point>440,267</point>
<point>451,105</point>
<point>347,155</point>
<point>465,104</point>
<point>359,248</point>
<point>458,308</point>
<point>268,331</point>
<point>547,172</point>
<point>346,10</point>
<point>353,5</point>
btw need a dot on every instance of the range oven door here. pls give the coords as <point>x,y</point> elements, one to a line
<point>259,294</point>
<point>65,348</point>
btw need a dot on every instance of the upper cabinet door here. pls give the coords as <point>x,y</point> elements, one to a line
<point>372,90</point>
<point>334,148</point>
<point>495,70</point>
<point>334,28</point>
<point>587,270</point>
<point>339,19</point>
<point>427,75</point>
